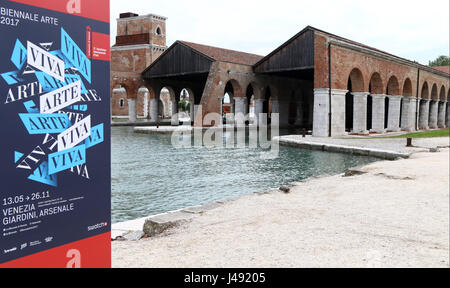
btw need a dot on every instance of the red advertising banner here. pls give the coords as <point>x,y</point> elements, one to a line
<point>92,9</point>
<point>55,202</point>
<point>93,252</point>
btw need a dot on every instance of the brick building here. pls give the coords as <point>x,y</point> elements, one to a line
<point>140,41</point>
<point>316,80</point>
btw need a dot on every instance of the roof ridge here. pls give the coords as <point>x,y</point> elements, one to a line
<point>215,47</point>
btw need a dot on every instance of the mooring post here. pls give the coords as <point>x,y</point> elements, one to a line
<point>409,142</point>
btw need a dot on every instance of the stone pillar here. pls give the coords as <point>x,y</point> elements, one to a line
<point>175,121</point>
<point>299,117</point>
<point>409,114</point>
<point>239,103</point>
<point>442,110</point>
<point>321,112</point>
<point>132,110</point>
<point>423,114</point>
<point>154,110</point>
<point>284,113</point>
<point>434,109</point>
<point>360,112</point>
<point>394,113</point>
<point>378,113</point>
<point>192,111</point>
<point>259,108</point>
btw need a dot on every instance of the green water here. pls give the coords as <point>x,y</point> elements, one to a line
<point>149,176</point>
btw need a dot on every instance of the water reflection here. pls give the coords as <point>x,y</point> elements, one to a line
<point>149,176</point>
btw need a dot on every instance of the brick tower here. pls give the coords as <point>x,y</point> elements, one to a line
<point>140,41</point>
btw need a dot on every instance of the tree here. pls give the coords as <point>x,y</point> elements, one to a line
<point>441,61</point>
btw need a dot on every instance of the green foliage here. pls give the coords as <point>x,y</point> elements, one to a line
<point>184,105</point>
<point>441,61</point>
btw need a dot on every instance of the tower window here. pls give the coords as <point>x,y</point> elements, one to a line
<point>122,103</point>
<point>158,31</point>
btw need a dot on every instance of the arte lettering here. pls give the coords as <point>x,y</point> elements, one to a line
<point>22,92</point>
<point>45,123</point>
<point>91,96</point>
<point>60,98</point>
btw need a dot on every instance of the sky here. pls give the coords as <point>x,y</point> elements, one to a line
<point>416,30</point>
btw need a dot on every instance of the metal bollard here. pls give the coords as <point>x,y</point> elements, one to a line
<point>409,142</point>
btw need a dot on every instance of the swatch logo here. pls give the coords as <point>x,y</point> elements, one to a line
<point>98,226</point>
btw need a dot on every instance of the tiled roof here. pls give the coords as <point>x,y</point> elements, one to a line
<point>225,55</point>
<point>445,69</point>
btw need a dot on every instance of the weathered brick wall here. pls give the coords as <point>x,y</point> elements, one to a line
<point>344,60</point>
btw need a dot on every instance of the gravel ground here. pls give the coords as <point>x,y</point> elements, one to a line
<point>395,215</point>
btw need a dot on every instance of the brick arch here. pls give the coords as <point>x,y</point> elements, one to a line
<point>407,88</point>
<point>356,80</point>
<point>273,92</point>
<point>393,88</point>
<point>171,90</point>
<point>151,91</point>
<point>425,94</point>
<point>434,92</point>
<point>442,93</point>
<point>376,84</point>
<point>236,88</point>
<point>190,92</point>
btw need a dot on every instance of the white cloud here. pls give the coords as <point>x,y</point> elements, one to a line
<point>413,29</point>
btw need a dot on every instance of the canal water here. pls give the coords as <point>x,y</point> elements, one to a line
<point>149,176</point>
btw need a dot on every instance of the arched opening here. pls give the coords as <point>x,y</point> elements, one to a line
<point>406,92</point>
<point>447,112</point>
<point>166,104</point>
<point>142,103</point>
<point>349,107</point>
<point>267,96</point>
<point>393,87</point>
<point>425,92</point>
<point>434,93</point>
<point>442,94</point>
<point>357,80</point>
<point>376,84</point>
<point>158,31</point>
<point>250,103</point>
<point>119,103</point>
<point>228,104</point>
<point>407,88</point>
<point>386,112</point>
<point>400,121</point>
<point>433,108</point>
<point>267,104</point>
<point>424,107</point>
<point>369,112</point>
<point>186,105</point>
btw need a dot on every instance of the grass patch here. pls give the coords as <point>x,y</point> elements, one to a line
<point>427,134</point>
